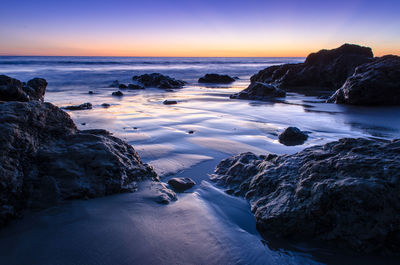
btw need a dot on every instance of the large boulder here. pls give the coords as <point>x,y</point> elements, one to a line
<point>45,159</point>
<point>259,91</point>
<point>375,83</point>
<point>345,192</point>
<point>158,80</point>
<point>327,69</point>
<point>216,79</point>
<point>13,89</point>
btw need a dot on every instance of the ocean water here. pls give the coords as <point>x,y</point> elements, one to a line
<point>205,226</point>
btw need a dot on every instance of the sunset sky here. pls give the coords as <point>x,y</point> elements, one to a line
<point>196,28</point>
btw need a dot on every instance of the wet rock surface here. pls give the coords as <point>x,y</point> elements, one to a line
<point>158,80</point>
<point>259,91</point>
<point>117,94</point>
<point>375,83</point>
<point>13,89</point>
<point>170,102</point>
<point>44,159</point>
<point>84,106</point>
<point>181,184</point>
<point>216,79</point>
<point>327,69</point>
<point>344,192</point>
<point>292,136</point>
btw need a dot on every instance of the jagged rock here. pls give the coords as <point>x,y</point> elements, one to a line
<point>216,79</point>
<point>170,102</point>
<point>345,192</point>
<point>44,158</point>
<point>117,94</point>
<point>158,80</point>
<point>375,83</point>
<point>84,106</point>
<point>292,136</point>
<point>259,91</point>
<point>181,184</point>
<point>326,69</point>
<point>13,89</point>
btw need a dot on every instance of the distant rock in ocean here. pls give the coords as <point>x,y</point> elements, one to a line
<point>374,83</point>
<point>45,159</point>
<point>170,102</point>
<point>158,80</point>
<point>259,91</point>
<point>84,106</point>
<point>117,94</point>
<point>345,192</point>
<point>216,79</point>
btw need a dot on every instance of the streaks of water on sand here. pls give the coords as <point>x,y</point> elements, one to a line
<point>175,163</point>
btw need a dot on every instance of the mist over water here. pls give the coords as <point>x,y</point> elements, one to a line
<point>205,226</point>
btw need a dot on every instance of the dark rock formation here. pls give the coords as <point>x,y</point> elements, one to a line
<point>158,80</point>
<point>90,92</point>
<point>13,89</point>
<point>170,102</point>
<point>117,94</point>
<point>292,136</point>
<point>326,69</point>
<point>181,184</point>
<point>259,91</point>
<point>45,159</point>
<point>216,79</point>
<point>122,86</point>
<point>375,83</point>
<point>345,192</point>
<point>105,105</point>
<point>83,106</point>
<point>135,86</point>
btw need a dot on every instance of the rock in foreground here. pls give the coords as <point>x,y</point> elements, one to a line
<point>158,80</point>
<point>345,192</point>
<point>216,79</point>
<point>292,136</point>
<point>13,89</point>
<point>375,83</point>
<point>259,91</point>
<point>181,184</point>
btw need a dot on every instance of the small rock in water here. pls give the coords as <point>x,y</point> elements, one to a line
<point>90,92</point>
<point>135,86</point>
<point>117,94</point>
<point>105,105</point>
<point>216,79</point>
<point>170,102</point>
<point>259,91</point>
<point>158,80</point>
<point>181,184</point>
<point>122,86</point>
<point>83,106</point>
<point>292,136</point>
<point>83,123</point>
<point>190,132</point>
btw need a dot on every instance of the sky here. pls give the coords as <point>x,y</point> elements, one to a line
<point>196,28</point>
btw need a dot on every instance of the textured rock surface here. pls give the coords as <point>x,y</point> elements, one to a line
<point>345,192</point>
<point>375,83</point>
<point>259,91</point>
<point>327,69</point>
<point>216,79</point>
<point>181,184</point>
<point>292,136</point>
<point>83,106</point>
<point>158,80</point>
<point>13,89</point>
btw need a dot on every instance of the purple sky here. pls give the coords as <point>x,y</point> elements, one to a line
<point>196,28</point>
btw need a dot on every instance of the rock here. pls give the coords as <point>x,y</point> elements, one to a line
<point>163,195</point>
<point>122,86</point>
<point>44,159</point>
<point>135,86</point>
<point>191,132</point>
<point>90,92</point>
<point>216,79</point>
<point>375,83</point>
<point>345,192</point>
<point>259,91</point>
<point>13,89</point>
<point>83,106</point>
<point>181,184</point>
<point>292,136</point>
<point>170,102</point>
<point>158,80</point>
<point>327,69</point>
<point>115,83</point>
<point>105,105</point>
<point>117,93</point>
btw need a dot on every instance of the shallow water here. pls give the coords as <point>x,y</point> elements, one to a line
<point>205,226</point>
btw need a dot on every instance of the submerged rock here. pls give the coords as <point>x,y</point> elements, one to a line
<point>292,136</point>
<point>216,79</point>
<point>117,94</point>
<point>170,102</point>
<point>259,91</point>
<point>105,105</point>
<point>13,89</point>
<point>122,86</point>
<point>158,80</point>
<point>44,158</point>
<point>375,83</point>
<point>344,192</point>
<point>83,106</point>
<point>135,86</point>
<point>326,69</point>
<point>181,184</point>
